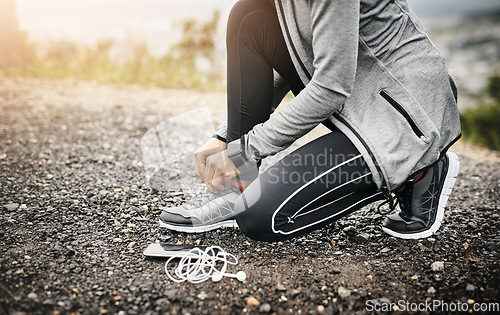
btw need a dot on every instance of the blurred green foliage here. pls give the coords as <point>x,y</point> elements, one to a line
<point>481,124</point>
<point>61,59</point>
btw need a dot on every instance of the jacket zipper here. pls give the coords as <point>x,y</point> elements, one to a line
<point>405,114</point>
<point>294,50</point>
<point>363,142</point>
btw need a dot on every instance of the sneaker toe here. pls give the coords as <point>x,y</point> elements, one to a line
<point>177,215</point>
<point>395,222</point>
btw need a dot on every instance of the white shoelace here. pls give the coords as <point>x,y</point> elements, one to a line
<point>200,265</point>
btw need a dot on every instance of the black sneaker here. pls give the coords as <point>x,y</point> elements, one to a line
<point>422,203</point>
<point>212,211</point>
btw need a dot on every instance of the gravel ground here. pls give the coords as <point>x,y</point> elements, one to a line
<point>77,212</point>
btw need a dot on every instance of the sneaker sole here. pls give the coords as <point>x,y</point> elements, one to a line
<point>449,182</point>
<point>201,228</point>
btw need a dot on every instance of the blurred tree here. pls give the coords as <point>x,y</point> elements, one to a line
<point>494,88</point>
<point>13,46</point>
<point>481,124</point>
<point>198,39</point>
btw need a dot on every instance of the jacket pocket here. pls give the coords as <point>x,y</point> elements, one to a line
<point>405,114</point>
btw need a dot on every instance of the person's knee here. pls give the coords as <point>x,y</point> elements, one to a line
<point>243,7</point>
<point>240,11</point>
<point>252,220</point>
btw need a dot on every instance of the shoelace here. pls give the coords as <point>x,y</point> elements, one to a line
<point>208,196</point>
<point>392,200</point>
<point>198,266</point>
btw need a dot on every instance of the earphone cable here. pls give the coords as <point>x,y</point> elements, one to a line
<point>198,266</point>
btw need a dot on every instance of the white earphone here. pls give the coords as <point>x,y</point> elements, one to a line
<point>198,266</point>
<point>240,275</point>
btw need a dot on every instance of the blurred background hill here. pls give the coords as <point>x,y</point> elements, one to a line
<point>180,44</point>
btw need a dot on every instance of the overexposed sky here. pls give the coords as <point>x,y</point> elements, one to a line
<point>158,22</point>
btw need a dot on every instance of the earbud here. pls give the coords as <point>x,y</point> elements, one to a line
<point>240,275</point>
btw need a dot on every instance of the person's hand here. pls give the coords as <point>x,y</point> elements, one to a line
<point>219,172</point>
<point>212,146</point>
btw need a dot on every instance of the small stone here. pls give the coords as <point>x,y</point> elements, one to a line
<point>336,270</point>
<point>117,298</point>
<point>280,287</point>
<point>132,244</point>
<point>321,309</point>
<point>430,239</point>
<point>50,176</point>
<point>437,266</point>
<point>170,293</point>
<point>362,237</point>
<point>202,295</point>
<point>349,228</point>
<point>343,292</point>
<point>472,226</point>
<point>144,208</point>
<point>385,250</point>
<point>385,300</point>
<point>491,246</point>
<point>251,301</point>
<point>117,240</point>
<point>470,301</point>
<point>415,277</point>
<point>32,296</point>
<point>11,206</point>
<point>265,308</point>
<point>470,288</point>
<point>431,291</point>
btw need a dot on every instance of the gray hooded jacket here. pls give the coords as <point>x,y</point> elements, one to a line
<point>369,68</point>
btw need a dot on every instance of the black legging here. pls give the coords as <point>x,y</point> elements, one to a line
<point>255,46</point>
<point>311,187</point>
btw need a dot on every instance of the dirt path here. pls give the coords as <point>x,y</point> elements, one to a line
<point>76,214</point>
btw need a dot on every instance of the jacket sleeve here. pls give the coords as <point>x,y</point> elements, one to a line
<point>335,26</point>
